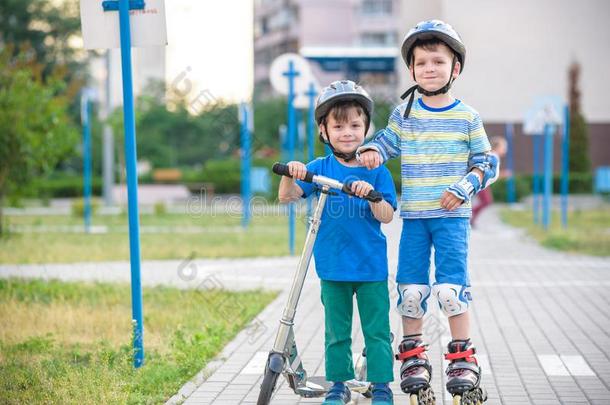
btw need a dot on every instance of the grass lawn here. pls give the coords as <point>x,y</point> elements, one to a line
<point>70,342</point>
<point>588,231</point>
<point>221,236</point>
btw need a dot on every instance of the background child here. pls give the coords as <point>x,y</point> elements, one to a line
<point>350,250</point>
<point>485,197</point>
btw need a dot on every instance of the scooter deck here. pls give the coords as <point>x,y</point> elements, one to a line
<point>353,385</point>
<point>319,381</point>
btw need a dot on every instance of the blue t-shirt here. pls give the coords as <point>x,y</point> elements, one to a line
<point>350,245</point>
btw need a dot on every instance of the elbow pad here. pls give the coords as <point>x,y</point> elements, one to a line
<point>489,164</point>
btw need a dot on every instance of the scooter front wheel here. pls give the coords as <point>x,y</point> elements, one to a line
<point>267,387</point>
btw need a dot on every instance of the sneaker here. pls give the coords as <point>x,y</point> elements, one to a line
<point>382,394</point>
<point>338,394</point>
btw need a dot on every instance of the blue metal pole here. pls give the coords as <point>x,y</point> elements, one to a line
<point>549,129</point>
<point>291,73</point>
<point>536,178</point>
<point>312,127</point>
<point>132,184</point>
<point>245,165</point>
<point>565,167</point>
<point>86,160</point>
<point>510,183</point>
<point>283,130</point>
<point>311,122</point>
<point>299,145</point>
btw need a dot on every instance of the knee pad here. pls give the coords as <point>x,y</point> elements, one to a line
<point>452,298</point>
<point>412,300</point>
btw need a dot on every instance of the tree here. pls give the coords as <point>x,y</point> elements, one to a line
<point>46,28</point>
<point>168,135</point>
<point>580,161</point>
<point>35,128</point>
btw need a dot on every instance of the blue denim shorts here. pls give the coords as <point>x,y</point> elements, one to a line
<point>448,236</point>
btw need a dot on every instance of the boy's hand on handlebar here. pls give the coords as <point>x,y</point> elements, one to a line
<point>371,159</point>
<point>297,170</point>
<point>361,188</point>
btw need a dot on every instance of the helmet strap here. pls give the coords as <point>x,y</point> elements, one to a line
<point>345,156</point>
<point>421,90</point>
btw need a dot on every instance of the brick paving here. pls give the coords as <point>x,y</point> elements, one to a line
<point>540,320</point>
<point>531,306</point>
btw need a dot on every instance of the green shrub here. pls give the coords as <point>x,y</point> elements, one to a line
<point>160,208</point>
<point>225,175</point>
<point>523,188</point>
<point>78,207</point>
<point>62,187</point>
<point>578,183</point>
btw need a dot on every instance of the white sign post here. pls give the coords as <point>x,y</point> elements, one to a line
<point>101,28</point>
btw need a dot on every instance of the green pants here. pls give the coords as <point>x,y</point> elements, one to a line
<point>373,307</point>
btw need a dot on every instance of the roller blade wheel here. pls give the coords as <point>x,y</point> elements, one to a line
<point>424,396</point>
<point>473,397</point>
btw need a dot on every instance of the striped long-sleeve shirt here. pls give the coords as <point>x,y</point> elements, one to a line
<point>434,145</point>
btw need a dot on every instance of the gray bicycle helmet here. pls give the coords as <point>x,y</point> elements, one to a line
<point>340,91</point>
<point>433,29</point>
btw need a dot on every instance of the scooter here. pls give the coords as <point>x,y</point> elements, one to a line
<point>284,357</point>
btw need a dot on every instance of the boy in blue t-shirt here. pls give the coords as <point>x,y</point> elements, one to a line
<point>350,250</point>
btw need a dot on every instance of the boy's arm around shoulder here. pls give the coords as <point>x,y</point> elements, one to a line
<point>386,141</point>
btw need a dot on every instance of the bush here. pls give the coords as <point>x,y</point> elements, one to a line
<point>78,207</point>
<point>160,208</point>
<point>62,187</point>
<point>225,175</point>
<point>393,166</point>
<point>523,188</point>
<point>579,183</point>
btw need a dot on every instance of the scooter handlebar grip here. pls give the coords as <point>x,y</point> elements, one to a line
<point>373,196</point>
<point>282,170</point>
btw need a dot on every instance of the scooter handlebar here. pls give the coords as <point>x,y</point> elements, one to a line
<point>282,170</point>
<point>373,196</point>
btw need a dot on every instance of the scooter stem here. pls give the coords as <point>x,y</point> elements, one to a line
<point>281,340</point>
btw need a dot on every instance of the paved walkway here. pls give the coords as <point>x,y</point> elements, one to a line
<point>540,324</point>
<point>540,320</point>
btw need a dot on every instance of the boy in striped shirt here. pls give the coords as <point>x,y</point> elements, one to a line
<point>445,161</point>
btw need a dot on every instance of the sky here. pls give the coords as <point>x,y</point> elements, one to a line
<point>210,44</point>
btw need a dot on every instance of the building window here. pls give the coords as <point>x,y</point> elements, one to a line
<point>261,27</point>
<point>376,7</point>
<point>279,19</point>
<point>283,19</point>
<point>378,38</point>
